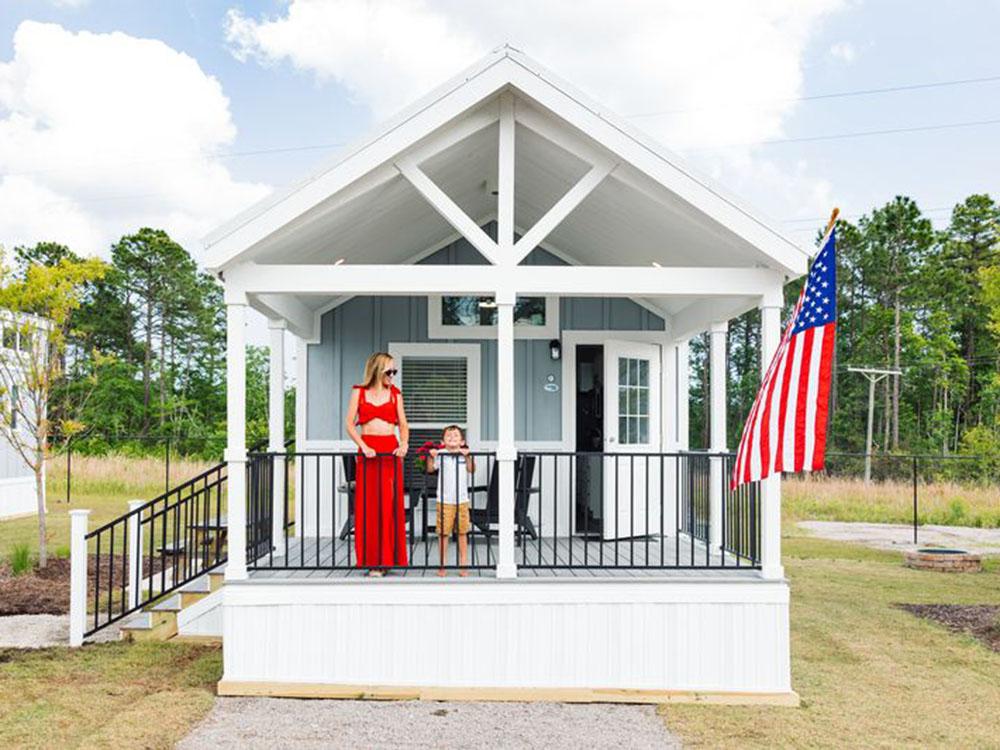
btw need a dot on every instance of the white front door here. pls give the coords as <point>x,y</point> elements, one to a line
<point>632,477</point>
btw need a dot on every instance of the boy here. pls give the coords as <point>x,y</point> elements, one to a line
<point>453,493</point>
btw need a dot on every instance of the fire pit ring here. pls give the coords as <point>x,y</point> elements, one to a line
<point>944,560</point>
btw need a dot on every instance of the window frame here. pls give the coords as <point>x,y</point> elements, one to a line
<point>438,330</point>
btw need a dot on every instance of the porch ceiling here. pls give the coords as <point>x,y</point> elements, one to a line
<point>617,224</point>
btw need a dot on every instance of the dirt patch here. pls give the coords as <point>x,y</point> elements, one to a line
<point>981,621</point>
<point>45,591</point>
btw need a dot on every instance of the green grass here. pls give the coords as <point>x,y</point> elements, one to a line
<point>103,485</point>
<point>869,675</point>
<point>942,503</point>
<point>110,695</point>
<point>20,559</point>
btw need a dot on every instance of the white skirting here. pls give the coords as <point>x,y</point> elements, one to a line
<point>716,636</point>
<point>17,497</point>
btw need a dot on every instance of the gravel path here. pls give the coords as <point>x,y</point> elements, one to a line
<point>42,631</point>
<point>281,722</point>
<point>894,536</point>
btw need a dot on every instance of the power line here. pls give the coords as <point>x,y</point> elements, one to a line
<point>831,95</point>
<point>856,134</point>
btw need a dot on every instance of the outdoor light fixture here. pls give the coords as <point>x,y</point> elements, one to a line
<point>487,303</point>
<point>555,349</point>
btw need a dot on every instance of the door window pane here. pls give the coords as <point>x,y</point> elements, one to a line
<point>633,400</point>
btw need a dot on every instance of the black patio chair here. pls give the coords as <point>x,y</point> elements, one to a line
<point>484,519</point>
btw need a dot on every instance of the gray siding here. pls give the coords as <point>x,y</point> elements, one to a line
<point>352,331</point>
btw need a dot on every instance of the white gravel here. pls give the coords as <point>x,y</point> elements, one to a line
<point>281,722</point>
<point>894,536</point>
<point>42,631</point>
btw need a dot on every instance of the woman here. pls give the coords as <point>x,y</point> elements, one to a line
<point>374,412</point>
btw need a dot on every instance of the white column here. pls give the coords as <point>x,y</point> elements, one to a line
<point>134,553</point>
<point>276,429</point>
<point>506,451</point>
<point>301,403</point>
<point>770,488</point>
<point>717,428</point>
<point>236,452</point>
<point>668,437</point>
<point>683,394</point>
<point>77,575</point>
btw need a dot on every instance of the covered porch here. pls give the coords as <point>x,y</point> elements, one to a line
<point>537,269</point>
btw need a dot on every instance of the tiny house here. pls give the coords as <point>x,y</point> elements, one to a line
<point>536,267</point>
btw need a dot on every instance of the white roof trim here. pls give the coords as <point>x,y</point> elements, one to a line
<point>503,67</point>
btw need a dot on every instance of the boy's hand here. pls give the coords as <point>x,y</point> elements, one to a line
<point>433,452</point>
<point>464,450</point>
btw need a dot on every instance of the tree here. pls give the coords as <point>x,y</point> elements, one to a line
<point>38,306</point>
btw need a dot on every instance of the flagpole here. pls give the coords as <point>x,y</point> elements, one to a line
<point>833,220</point>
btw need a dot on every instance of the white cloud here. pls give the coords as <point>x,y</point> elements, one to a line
<point>843,51</point>
<point>103,133</point>
<point>726,71</point>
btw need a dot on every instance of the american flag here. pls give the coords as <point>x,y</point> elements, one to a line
<point>786,428</point>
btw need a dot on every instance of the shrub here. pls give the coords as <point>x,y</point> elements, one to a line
<point>20,559</point>
<point>62,551</point>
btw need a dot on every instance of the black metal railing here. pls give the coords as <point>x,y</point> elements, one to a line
<point>156,548</point>
<point>151,551</point>
<point>632,510</point>
<point>571,510</point>
<point>353,513</point>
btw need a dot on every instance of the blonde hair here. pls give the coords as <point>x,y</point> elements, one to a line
<point>375,369</point>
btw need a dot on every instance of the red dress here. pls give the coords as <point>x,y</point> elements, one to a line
<point>379,518</point>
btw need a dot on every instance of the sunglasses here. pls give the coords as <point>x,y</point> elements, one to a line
<point>391,373</point>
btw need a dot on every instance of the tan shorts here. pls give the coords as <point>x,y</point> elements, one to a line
<point>446,518</point>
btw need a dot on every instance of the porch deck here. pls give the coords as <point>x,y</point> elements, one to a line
<point>563,557</point>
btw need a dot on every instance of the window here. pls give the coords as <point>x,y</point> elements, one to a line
<point>436,389</point>
<point>13,407</point>
<point>469,317</point>
<point>633,401</point>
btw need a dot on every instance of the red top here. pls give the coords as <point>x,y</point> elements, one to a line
<point>386,412</point>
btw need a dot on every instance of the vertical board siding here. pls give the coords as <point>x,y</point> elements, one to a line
<point>362,325</point>
<point>598,635</point>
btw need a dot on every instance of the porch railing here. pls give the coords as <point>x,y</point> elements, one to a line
<point>572,510</point>
<point>155,548</point>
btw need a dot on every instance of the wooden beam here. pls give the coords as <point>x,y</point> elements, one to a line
<point>450,210</point>
<point>563,207</point>
<point>592,281</point>
<point>300,319</point>
<point>505,181</point>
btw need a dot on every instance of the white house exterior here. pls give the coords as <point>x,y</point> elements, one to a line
<point>17,481</point>
<point>536,267</point>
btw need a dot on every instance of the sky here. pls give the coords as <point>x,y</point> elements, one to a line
<point>117,114</point>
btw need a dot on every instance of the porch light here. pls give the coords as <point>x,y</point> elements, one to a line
<point>555,349</point>
<point>487,304</point>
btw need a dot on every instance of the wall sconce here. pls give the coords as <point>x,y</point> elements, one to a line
<point>555,349</point>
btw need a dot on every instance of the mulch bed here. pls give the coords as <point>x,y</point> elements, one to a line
<point>46,591</point>
<point>981,621</point>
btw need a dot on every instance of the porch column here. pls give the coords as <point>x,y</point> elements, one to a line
<point>717,429</point>
<point>506,451</point>
<point>236,452</point>
<point>276,429</point>
<point>770,488</point>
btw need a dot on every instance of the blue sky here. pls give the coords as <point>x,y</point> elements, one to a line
<point>288,81</point>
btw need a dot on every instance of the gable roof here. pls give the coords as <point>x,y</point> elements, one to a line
<point>355,169</point>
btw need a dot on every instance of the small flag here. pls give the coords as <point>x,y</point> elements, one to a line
<point>786,428</point>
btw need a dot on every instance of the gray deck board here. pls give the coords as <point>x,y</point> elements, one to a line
<point>561,557</point>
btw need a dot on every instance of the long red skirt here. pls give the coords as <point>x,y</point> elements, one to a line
<point>379,519</point>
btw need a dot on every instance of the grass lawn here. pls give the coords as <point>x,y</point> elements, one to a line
<point>869,675</point>
<point>110,695</point>
<point>946,503</point>
<point>104,485</point>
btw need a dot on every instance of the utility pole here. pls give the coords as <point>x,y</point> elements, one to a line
<point>873,375</point>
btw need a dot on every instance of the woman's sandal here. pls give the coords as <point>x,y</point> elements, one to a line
<point>376,573</point>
